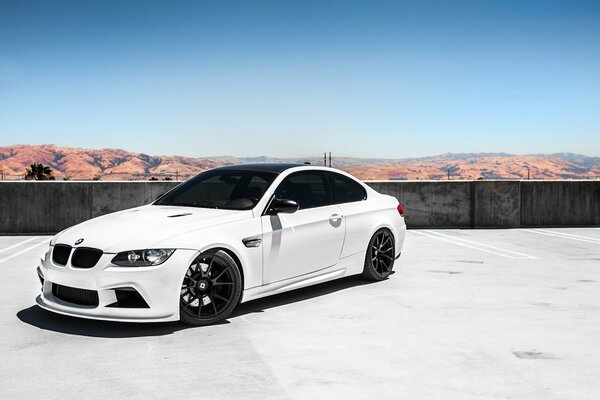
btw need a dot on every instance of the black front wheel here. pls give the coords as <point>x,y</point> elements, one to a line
<point>211,289</point>
<point>379,260</point>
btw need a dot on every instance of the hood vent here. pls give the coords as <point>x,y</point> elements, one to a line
<point>178,215</point>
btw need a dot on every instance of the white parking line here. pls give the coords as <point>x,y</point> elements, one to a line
<point>522,255</point>
<point>24,250</point>
<point>19,244</point>
<point>563,235</point>
<point>476,246</point>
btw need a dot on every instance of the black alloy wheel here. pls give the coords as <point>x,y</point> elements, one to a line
<point>211,289</point>
<point>379,260</point>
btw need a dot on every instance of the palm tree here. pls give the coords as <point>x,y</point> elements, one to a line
<point>39,172</point>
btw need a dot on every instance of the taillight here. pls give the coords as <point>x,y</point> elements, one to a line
<point>401,209</point>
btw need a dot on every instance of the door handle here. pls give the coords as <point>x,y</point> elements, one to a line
<point>336,217</point>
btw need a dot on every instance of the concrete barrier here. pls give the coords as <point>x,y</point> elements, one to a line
<point>560,203</point>
<point>29,207</point>
<point>429,204</point>
<point>496,204</point>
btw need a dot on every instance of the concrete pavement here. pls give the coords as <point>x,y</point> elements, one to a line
<point>469,314</point>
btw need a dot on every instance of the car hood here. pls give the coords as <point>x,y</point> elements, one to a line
<point>143,227</point>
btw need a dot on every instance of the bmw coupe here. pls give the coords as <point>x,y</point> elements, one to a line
<point>228,235</point>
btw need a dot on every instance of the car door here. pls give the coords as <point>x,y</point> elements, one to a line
<point>307,240</point>
<point>351,197</point>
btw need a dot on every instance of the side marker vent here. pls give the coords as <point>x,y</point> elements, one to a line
<point>253,241</point>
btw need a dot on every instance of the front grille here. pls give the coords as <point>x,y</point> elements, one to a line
<point>82,297</point>
<point>85,257</point>
<point>60,254</point>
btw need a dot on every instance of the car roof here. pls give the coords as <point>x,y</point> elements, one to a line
<point>267,167</point>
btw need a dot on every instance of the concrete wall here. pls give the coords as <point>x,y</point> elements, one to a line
<point>49,207</point>
<point>440,203</point>
<point>28,207</point>
<point>560,203</point>
<point>496,204</point>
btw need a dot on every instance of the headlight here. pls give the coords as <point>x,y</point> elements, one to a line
<point>142,258</point>
<point>47,253</point>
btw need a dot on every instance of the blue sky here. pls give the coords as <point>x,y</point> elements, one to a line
<point>292,78</point>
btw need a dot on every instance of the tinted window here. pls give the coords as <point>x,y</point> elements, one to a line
<point>233,190</point>
<point>345,190</point>
<point>308,189</point>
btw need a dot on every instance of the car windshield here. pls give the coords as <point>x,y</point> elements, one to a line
<point>223,189</point>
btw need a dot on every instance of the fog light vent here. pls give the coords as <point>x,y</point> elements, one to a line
<point>129,298</point>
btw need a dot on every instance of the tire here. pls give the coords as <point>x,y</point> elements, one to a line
<point>210,290</point>
<point>380,257</point>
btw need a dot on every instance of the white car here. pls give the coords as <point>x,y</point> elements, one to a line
<point>229,235</point>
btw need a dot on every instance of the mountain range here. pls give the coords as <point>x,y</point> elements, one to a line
<point>116,164</point>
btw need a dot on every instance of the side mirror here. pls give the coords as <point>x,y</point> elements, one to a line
<point>283,206</point>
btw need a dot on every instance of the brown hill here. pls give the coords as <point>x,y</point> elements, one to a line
<point>481,167</point>
<point>113,164</point>
<point>107,164</point>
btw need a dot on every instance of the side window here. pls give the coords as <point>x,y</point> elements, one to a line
<point>345,190</point>
<point>308,189</point>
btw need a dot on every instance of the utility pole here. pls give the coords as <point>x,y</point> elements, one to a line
<point>528,176</point>
<point>1,174</point>
<point>448,173</point>
<point>177,175</point>
<point>324,159</point>
<point>330,159</point>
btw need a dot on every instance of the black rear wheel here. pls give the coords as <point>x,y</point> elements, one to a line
<point>379,260</point>
<point>211,289</point>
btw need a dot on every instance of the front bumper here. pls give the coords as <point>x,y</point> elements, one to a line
<point>159,286</point>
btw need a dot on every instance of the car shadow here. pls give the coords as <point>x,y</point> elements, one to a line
<point>46,320</point>
<point>297,295</point>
